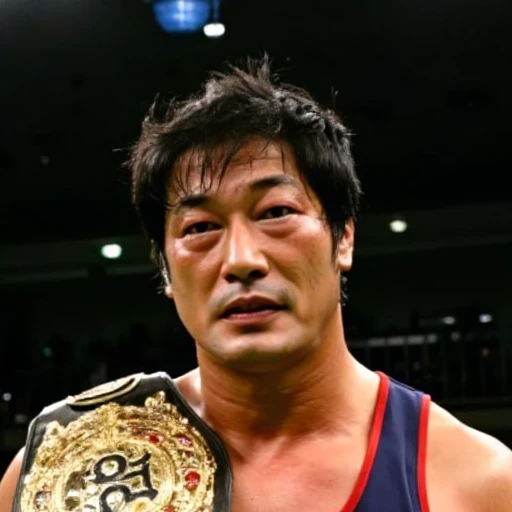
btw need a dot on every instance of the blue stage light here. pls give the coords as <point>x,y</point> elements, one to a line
<point>181,15</point>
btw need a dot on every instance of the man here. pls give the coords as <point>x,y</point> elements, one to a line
<point>249,196</point>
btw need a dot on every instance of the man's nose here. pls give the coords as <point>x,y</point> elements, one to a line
<point>243,259</point>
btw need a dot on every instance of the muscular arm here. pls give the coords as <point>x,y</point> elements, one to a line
<point>9,482</point>
<point>499,486</point>
<point>473,468</point>
<point>489,472</point>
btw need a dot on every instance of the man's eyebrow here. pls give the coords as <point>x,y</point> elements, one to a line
<point>274,180</point>
<point>197,200</point>
<point>189,202</point>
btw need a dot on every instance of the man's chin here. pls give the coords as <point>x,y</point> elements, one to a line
<point>257,353</point>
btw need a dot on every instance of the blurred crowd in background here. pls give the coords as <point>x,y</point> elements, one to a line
<point>458,360</point>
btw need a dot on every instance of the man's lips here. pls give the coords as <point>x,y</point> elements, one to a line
<point>254,305</point>
<point>251,316</point>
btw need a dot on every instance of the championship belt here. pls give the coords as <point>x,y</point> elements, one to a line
<point>132,445</point>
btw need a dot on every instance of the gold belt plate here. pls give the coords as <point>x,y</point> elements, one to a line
<point>122,459</point>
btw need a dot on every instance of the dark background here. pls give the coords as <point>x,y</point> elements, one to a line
<point>424,86</point>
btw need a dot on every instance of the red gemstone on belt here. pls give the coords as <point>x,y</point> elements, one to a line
<point>193,478</point>
<point>153,438</point>
<point>169,508</point>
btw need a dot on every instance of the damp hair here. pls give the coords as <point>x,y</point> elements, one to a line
<point>232,108</point>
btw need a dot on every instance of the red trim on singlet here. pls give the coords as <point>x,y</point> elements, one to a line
<point>373,443</point>
<point>422,453</point>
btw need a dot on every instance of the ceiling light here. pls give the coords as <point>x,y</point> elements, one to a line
<point>485,318</point>
<point>176,16</point>
<point>398,225</point>
<point>111,251</point>
<point>214,30</point>
<point>448,320</point>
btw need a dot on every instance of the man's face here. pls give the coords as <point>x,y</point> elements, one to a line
<point>251,261</point>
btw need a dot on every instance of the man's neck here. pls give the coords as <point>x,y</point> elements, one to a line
<point>327,394</point>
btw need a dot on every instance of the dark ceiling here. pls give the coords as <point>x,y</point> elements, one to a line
<point>425,86</point>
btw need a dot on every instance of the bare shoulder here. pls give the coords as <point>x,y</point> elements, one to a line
<point>9,482</point>
<point>479,465</point>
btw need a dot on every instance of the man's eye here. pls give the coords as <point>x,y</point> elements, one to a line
<point>199,228</point>
<point>278,211</point>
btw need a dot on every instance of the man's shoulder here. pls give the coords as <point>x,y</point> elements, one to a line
<point>479,464</point>
<point>9,481</point>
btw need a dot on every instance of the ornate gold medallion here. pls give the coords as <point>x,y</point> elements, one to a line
<point>122,459</point>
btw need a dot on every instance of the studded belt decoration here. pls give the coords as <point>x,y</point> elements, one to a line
<point>132,445</point>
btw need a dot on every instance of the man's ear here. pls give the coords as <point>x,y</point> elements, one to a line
<point>169,293</point>
<point>345,247</point>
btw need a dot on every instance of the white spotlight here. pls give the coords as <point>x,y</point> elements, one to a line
<point>111,251</point>
<point>398,226</point>
<point>7,397</point>
<point>448,320</point>
<point>485,318</point>
<point>214,30</point>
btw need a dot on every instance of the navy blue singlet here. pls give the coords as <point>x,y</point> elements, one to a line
<point>392,478</point>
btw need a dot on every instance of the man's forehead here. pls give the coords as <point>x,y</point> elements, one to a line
<point>197,170</point>
<point>195,159</point>
<point>259,151</point>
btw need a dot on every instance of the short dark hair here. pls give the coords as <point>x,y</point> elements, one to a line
<point>233,107</point>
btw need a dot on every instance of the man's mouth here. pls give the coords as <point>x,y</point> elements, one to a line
<point>251,310</point>
<point>251,307</point>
